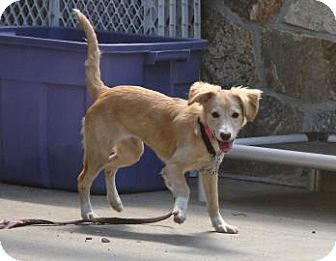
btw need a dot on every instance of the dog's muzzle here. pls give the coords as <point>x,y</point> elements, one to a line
<point>224,146</point>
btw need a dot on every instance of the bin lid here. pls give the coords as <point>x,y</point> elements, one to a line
<point>109,42</point>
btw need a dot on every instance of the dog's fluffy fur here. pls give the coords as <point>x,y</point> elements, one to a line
<point>123,118</point>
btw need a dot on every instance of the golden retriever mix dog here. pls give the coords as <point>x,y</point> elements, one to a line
<point>186,135</point>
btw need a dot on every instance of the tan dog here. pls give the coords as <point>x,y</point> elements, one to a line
<point>123,118</point>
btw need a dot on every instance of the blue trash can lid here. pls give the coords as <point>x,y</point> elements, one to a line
<point>73,40</point>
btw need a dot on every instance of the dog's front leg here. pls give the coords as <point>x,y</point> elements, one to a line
<point>210,183</point>
<point>175,180</point>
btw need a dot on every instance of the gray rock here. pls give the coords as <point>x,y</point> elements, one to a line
<point>276,116</point>
<point>325,121</point>
<point>241,7</point>
<point>105,240</point>
<point>312,15</point>
<point>255,10</point>
<point>299,66</point>
<point>229,59</point>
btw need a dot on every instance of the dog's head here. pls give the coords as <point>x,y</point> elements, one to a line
<point>224,112</point>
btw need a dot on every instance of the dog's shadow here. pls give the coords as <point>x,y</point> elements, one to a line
<point>190,242</point>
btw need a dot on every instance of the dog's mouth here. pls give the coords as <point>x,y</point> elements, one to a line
<point>225,146</point>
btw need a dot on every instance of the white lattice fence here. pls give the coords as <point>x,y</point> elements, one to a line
<point>28,12</point>
<point>180,18</point>
<point>117,15</point>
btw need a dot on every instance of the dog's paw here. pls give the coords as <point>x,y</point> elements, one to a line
<point>118,206</point>
<point>221,226</point>
<point>180,209</point>
<point>89,216</point>
<point>179,216</point>
<point>226,228</point>
<point>115,203</point>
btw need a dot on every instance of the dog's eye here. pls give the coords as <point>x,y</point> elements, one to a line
<point>235,115</point>
<point>215,114</point>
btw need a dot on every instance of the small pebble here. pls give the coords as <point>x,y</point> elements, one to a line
<point>105,240</point>
<point>88,238</point>
<point>313,231</point>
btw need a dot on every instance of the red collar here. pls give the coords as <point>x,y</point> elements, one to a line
<point>209,133</point>
<point>206,135</point>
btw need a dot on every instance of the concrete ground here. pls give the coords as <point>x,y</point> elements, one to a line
<point>276,223</point>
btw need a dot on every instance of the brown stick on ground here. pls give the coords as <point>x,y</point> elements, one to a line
<point>8,224</point>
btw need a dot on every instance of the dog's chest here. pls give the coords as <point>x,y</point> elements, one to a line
<point>209,165</point>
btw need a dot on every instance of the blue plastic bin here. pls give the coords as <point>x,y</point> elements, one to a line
<point>43,99</point>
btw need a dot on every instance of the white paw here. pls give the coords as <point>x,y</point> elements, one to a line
<point>221,226</point>
<point>89,216</point>
<point>179,216</point>
<point>180,209</point>
<point>226,228</point>
<point>115,203</point>
<point>118,206</point>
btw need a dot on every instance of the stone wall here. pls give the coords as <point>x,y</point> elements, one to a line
<point>287,48</point>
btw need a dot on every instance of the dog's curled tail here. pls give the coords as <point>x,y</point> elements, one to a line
<point>92,64</point>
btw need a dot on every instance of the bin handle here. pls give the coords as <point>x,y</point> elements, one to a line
<point>152,57</point>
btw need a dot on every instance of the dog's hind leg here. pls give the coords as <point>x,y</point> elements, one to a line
<point>90,171</point>
<point>96,155</point>
<point>126,152</point>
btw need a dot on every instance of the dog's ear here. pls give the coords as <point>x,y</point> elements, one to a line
<point>201,98</point>
<point>249,100</point>
<point>202,92</point>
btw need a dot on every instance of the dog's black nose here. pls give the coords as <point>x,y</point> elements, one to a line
<point>225,136</point>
